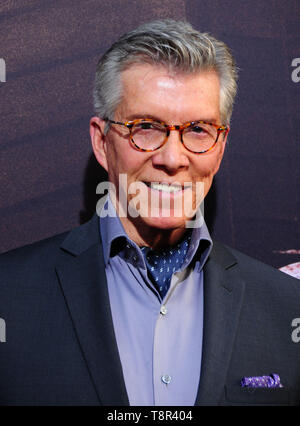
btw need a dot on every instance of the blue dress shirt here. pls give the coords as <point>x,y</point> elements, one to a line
<point>159,340</point>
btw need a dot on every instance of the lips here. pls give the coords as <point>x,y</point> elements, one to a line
<point>167,187</point>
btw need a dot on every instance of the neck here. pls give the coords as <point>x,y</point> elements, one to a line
<point>156,238</point>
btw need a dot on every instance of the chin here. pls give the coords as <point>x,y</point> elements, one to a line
<point>163,223</point>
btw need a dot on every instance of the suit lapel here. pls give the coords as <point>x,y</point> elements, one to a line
<point>223,295</point>
<point>81,273</point>
<point>83,282</point>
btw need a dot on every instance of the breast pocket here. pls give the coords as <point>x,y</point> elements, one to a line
<point>257,396</point>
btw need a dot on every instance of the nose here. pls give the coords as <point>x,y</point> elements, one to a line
<point>172,156</point>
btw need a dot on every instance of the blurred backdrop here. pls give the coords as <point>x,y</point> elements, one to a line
<point>48,174</point>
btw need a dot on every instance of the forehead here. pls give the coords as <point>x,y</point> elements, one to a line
<point>157,91</point>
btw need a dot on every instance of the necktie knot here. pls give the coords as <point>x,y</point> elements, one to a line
<point>161,265</point>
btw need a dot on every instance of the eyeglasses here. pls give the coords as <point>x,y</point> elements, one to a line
<point>148,135</point>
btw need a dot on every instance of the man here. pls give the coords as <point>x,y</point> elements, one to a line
<point>139,306</point>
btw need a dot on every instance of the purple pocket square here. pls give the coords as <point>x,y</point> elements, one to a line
<point>272,381</point>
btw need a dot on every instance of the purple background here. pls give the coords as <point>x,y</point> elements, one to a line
<point>47,170</point>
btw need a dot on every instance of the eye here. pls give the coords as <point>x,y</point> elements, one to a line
<point>149,125</point>
<point>145,125</point>
<point>197,129</point>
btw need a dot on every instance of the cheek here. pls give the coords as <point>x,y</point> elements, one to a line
<point>208,165</point>
<point>206,170</point>
<point>116,156</point>
<point>120,159</point>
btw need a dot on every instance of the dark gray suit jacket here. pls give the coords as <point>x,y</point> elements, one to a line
<point>60,346</point>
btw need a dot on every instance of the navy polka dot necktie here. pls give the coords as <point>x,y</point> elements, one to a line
<point>161,265</point>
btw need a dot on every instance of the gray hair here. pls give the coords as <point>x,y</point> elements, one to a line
<point>174,44</point>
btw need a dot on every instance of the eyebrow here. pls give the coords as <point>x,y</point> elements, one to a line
<point>137,116</point>
<point>155,118</point>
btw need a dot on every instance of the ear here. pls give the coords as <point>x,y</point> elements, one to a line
<point>98,139</point>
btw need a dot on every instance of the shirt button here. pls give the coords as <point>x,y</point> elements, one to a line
<point>163,310</point>
<point>166,379</point>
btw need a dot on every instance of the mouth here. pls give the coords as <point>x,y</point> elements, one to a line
<point>167,188</point>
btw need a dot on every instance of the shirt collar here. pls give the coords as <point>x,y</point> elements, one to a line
<point>112,230</point>
<point>200,246</point>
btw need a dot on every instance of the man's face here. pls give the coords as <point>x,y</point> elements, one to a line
<point>153,92</point>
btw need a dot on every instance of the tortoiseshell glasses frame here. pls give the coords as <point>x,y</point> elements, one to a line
<point>211,132</point>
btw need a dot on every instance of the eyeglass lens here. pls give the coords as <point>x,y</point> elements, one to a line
<point>151,135</point>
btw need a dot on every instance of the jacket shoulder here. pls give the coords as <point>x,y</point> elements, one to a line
<point>31,264</point>
<point>257,272</point>
<point>42,250</point>
<point>35,262</point>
